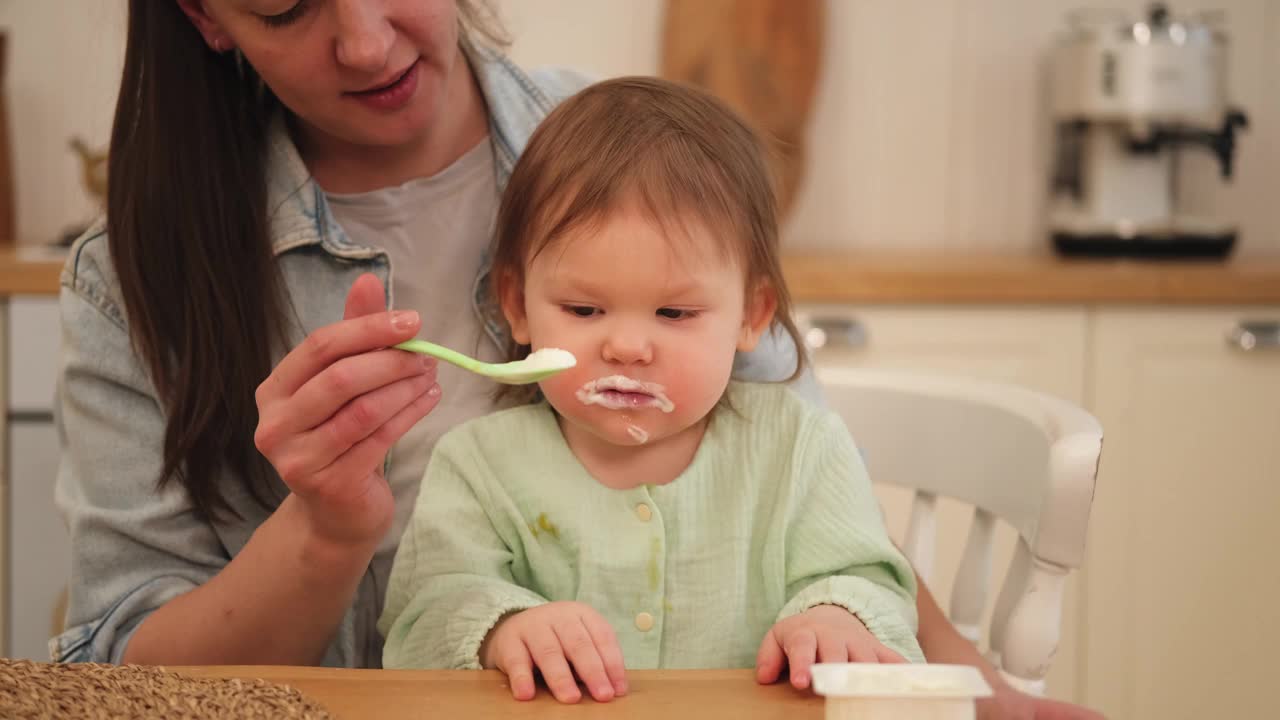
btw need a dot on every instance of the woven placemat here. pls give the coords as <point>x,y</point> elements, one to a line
<point>93,691</point>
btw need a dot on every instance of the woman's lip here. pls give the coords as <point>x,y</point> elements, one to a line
<point>393,96</point>
<point>385,84</point>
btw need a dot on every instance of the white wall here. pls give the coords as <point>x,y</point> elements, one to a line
<point>929,128</point>
<point>928,123</point>
<point>61,76</point>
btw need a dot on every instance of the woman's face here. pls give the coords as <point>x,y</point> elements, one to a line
<point>361,72</point>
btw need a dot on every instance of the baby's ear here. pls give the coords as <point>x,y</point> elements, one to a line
<point>762,303</point>
<point>511,297</point>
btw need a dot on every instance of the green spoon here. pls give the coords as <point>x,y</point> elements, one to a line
<point>540,364</point>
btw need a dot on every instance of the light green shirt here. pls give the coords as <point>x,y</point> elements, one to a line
<point>774,516</point>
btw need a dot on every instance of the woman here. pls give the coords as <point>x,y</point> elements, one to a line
<point>268,159</point>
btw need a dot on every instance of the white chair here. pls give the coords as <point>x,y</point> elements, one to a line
<point>1024,457</point>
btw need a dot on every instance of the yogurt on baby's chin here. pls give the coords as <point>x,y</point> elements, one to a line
<point>549,359</point>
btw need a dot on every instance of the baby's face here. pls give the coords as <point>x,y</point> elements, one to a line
<point>653,322</point>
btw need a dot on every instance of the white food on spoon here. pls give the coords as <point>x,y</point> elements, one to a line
<point>549,359</point>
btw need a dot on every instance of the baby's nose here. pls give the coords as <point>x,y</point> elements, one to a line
<point>627,346</point>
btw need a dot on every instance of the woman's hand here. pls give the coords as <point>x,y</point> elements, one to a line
<point>551,637</point>
<point>333,407</point>
<point>826,633</point>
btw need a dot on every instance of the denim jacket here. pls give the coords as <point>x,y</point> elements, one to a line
<point>135,547</point>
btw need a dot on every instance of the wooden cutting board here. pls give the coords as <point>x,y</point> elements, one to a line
<point>763,58</point>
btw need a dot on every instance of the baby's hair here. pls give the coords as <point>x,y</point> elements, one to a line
<point>680,153</point>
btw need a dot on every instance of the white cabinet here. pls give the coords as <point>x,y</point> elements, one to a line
<point>1182,578</point>
<point>1042,348</point>
<point>37,552</point>
<point>39,557</point>
<point>1173,613</point>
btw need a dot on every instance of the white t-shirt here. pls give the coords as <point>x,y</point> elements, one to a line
<point>436,230</point>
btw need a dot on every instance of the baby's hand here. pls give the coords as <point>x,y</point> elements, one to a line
<point>551,637</point>
<point>827,633</point>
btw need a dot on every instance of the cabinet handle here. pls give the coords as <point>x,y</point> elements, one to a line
<point>1256,335</point>
<point>835,332</point>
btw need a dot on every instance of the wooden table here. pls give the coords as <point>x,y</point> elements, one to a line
<point>405,694</point>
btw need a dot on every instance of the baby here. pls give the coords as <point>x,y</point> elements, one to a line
<point>645,511</point>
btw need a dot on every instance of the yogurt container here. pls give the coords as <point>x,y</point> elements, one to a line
<point>867,691</point>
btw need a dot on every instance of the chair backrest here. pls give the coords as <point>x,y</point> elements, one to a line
<point>1026,458</point>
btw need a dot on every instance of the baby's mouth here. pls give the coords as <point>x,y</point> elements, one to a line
<point>618,392</point>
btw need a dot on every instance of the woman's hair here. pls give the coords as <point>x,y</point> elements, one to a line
<point>678,151</point>
<point>187,224</point>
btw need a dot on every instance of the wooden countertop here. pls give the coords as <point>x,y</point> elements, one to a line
<point>878,277</point>
<point>404,694</point>
<point>30,270</point>
<point>907,278</point>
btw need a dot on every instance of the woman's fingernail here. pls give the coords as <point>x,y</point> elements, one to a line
<point>433,391</point>
<point>428,362</point>
<point>404,319</point>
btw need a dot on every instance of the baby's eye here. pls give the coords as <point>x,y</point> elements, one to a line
<point>583,311</point>
<point>677,314</point>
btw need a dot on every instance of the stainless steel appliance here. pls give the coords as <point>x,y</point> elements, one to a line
<point>1129,97</point>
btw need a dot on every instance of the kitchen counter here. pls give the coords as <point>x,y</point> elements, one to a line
<point>880,277</point>
<point>30,270</point>
<point>919,277</point>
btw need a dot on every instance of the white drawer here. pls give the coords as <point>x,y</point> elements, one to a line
<point>32,345</point>
<point>1035,346</point>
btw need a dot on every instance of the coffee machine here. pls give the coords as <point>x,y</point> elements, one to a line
<point>1128,98</point>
